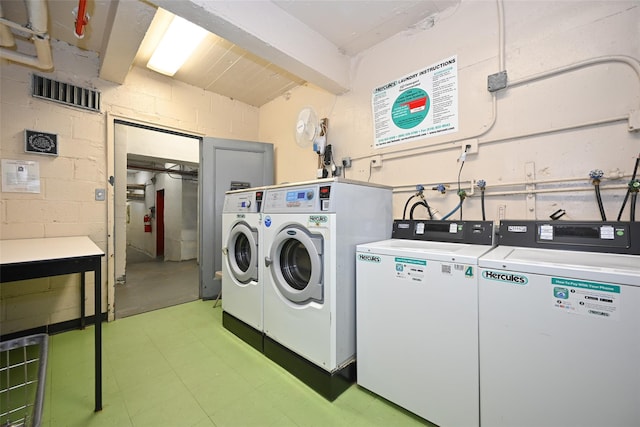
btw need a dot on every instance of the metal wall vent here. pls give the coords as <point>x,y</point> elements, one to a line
<point>65,93</point>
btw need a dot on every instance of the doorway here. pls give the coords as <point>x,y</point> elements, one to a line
<point>156,203</point>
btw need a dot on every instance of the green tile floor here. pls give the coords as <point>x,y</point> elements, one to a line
<point>179,367</point>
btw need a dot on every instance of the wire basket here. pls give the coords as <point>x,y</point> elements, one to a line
<point>23,367</point>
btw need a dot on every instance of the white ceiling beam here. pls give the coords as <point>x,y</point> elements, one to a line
<point>267,31</point>
<point>131,20</point>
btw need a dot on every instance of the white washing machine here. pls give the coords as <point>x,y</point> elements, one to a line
<point>560,325</point>
<point>241,264</point>
<point>417,317</point>
<point>311,230</point>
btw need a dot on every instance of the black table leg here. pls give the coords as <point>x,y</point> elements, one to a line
<point>82,297</point>
<point>98,333</point>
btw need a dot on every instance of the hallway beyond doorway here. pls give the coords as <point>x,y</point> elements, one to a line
<point>152,284</point>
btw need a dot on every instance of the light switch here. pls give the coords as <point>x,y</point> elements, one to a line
<point>100,194</point>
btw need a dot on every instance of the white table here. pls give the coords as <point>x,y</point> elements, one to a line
<point>23,259</point>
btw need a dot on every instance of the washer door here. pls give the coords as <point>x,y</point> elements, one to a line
<point>242,253</point>
<point>296,265</point>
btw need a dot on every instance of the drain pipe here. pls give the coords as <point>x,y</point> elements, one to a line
<point>37,13</point>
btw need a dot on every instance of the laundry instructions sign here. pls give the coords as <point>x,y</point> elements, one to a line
<point>421,104</point>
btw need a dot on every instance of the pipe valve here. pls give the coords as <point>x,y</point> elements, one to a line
<point>596,175</point>
<point>440,187</point>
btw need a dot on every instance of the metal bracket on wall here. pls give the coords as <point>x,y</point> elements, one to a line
<point>530,176</point>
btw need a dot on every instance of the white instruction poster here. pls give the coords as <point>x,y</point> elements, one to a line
<point>419,105</point>
<point>20,176</point>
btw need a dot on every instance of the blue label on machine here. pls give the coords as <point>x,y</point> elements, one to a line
<point>411,261</point>
<point>410,269</point>
<point>591,299</point>
<point>592,286</point>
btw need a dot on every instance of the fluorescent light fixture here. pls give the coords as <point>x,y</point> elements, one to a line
<point>178,43</point>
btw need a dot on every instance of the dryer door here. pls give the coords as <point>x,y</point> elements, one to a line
<point>296,265</point>
<point>242,253</point>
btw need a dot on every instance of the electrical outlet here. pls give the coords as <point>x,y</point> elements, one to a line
<point>376,161</point>
<point>346,162</point>
<point>470,146</point>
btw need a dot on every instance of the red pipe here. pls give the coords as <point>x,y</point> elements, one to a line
<point>82,18</point>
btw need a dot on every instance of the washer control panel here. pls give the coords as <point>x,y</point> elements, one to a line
<point>294,199</point>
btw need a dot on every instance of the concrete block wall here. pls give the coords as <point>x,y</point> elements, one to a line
<point>66,206</point>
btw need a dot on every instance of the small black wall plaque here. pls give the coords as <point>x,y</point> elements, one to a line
<point>40,142</point>
<point>238,185</point>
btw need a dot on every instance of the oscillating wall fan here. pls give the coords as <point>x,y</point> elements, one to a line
<point>310,131</point>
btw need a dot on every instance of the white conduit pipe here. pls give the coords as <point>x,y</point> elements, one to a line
<point>553,190</point>
<point>633,63</point>
<point>534,191</point>
<point>37,13</point>
<point>468,184</point>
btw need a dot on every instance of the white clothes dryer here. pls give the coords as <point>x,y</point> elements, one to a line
<point>559,306</point>
<point>241,269</point>
<point>311,230</point>
<point>417,317</point>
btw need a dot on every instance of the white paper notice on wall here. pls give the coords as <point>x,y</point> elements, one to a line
<point>421,104</point>
<point>20,176</point>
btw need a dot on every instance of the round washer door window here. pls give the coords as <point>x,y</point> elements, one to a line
<point>242,253</point>
<point>297,265</point>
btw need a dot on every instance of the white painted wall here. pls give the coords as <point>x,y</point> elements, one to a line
<point>66,205</point>
<point>539,36</point>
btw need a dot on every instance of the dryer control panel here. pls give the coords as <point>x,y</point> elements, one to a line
<point>243,202</point>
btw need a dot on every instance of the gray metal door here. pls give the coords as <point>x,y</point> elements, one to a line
<point>223,162</point>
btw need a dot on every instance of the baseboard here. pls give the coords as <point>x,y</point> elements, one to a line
<point>246,333</point>
<point>329,385</point>
<point>52,329</point>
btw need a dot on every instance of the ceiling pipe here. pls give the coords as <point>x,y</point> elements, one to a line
<point>82,18</point>
<point>37,15</point>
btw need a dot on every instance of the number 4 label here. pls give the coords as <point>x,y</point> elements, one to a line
<point>469,272</point>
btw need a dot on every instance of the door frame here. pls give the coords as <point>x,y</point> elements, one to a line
<point>113,164</point>
<point>211,201</point>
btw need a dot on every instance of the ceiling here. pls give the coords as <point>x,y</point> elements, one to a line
<point>256,50</point>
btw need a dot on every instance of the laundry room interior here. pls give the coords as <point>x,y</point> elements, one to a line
<point>347,132</point>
